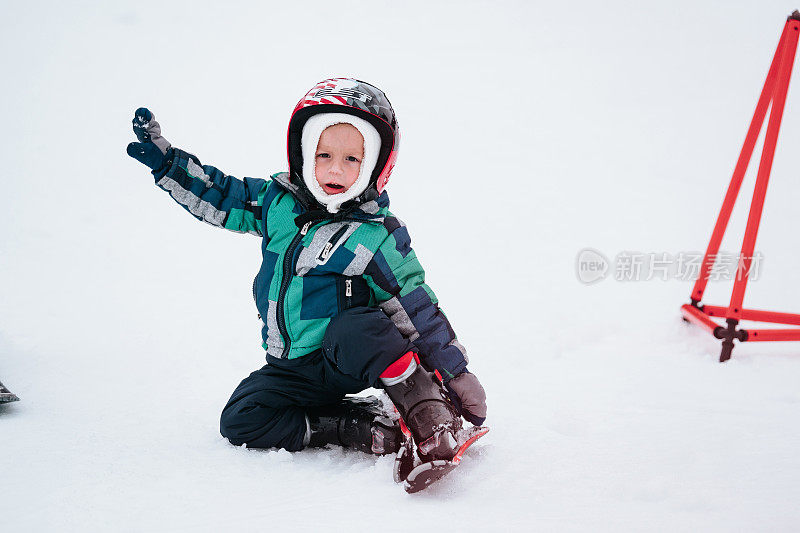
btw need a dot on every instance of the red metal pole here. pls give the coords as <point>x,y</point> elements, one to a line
<point>763,335</point>
<point>773,317</point>
<point>697,317</point>
<point>739,171</point>
<point>762,178</point>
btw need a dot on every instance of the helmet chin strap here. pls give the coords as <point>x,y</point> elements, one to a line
<point>312,130</point>
<point>367,196</point>
<point>317,211</point>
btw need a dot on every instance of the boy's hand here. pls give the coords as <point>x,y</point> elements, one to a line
<point>152,147</point>
<point>469,397</point>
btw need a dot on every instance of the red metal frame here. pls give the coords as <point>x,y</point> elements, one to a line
<point>772,94</point>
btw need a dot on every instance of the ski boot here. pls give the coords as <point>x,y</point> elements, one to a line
<point>432,427</point>
<point>358,423</point>
<point>6,395</point>
<point>428,415</point>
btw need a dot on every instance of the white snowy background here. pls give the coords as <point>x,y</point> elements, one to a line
<point>531,130</point>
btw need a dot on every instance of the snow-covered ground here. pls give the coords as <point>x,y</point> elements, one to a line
<point>531,130</point>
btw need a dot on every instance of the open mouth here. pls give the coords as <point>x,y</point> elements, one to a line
<point>333,188</point>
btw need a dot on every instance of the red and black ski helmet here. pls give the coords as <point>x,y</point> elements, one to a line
<point>354,97</point>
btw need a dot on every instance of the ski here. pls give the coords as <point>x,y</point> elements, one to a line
<point>6,395</point>
<point>416,475</point>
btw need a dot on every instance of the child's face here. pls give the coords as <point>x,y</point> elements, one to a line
<point>338,158</point>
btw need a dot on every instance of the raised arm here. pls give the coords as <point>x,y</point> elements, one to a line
<point>204,191</point>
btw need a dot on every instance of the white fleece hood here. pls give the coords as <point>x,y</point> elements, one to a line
<point>312,130</point>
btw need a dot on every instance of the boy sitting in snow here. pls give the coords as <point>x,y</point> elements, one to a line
<point>341,293</point>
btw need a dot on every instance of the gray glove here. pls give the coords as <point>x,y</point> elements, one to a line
<point>469,397</point>
<point>151,150</point>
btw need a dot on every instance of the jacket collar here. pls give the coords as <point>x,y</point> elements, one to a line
<point>368,211</point>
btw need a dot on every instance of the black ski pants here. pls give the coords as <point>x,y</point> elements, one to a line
<point>267,409</point>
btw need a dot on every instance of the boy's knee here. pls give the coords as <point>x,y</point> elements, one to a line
<point>363,341</point>
<point>362,325</point>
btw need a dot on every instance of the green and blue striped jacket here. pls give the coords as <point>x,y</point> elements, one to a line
<point>313,269</point>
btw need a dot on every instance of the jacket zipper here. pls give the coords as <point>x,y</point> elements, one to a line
<point>254,295</point>
<point>348,291</point>
<point>287,279</point>
<point>325,251</point>
<point>288,266</point>
<point>334,240</point>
